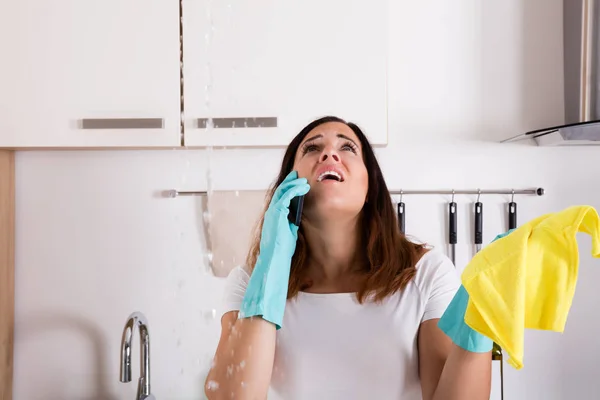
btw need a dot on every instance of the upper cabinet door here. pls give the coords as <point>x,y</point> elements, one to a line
<point>81,73</point>
<point>256,72</point>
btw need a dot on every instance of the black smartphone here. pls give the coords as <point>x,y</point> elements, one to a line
<point>295,214</point>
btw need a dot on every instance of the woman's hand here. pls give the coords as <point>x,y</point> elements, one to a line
<point>244,358</point>
<point>266,294</point>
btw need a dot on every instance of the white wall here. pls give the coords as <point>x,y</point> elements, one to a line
<point>96,241</point>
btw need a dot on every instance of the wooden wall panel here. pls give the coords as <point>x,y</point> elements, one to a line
<point>7,271</point>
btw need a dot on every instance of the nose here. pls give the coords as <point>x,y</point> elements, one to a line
<point>329,152</point>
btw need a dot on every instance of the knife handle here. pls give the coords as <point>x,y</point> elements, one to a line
<point>452,223</point>
<point>512,215</point>
<point>401,217</point>
<point>478,223</point>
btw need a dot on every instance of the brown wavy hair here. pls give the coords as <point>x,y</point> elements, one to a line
<point>390,257</point>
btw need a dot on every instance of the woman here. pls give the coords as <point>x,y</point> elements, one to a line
<point>361,301</point>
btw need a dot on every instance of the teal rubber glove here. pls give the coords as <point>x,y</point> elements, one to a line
<point>266,294</point>
<point>453,323</point>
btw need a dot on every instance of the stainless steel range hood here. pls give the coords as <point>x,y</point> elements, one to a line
<point>581,77</point>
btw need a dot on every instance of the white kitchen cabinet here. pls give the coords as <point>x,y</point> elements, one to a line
<point>260,70</point>
<point>82,73</point>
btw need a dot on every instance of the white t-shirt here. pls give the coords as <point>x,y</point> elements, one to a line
<point>331,347</point>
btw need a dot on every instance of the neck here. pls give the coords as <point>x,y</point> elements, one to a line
<point>335,248</point>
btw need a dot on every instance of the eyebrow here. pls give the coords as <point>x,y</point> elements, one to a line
<point>319,136</point>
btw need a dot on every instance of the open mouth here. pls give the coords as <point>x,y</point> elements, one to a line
<point>330,175</point>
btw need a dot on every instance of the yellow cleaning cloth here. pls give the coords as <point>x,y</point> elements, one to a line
<point>527,279</point>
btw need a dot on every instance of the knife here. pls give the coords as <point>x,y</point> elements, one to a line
<point>512,214</point>
<point>478,225</point>
<point>452,230</point>
<point>401,216</point>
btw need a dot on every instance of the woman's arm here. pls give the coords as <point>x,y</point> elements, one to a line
<point>243,362</point>
<point>449,372</point>
<point>244,359</point>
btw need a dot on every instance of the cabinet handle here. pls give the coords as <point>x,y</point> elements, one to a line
<point>122,123</point>
<point>587,43</point>
<point>251,122</point>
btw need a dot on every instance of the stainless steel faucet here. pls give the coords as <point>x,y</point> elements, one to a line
<point>137,319</point>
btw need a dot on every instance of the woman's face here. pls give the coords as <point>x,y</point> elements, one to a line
<point>330,158</point>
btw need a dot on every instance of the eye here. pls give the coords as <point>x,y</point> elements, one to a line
<point>349,146</point>
<point>309,147</point>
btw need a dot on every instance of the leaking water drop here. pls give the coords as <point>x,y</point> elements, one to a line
<point>210,314</point>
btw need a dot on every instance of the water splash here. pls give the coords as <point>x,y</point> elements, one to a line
<point>209,315</point>
<point>208,37</point>
<point>212,385</point>
<point>209,259</point>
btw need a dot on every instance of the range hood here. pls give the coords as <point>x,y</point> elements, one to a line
<point>581,77</point>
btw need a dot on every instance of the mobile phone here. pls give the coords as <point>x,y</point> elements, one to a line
<point>295,214</point>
